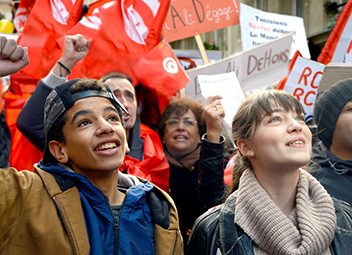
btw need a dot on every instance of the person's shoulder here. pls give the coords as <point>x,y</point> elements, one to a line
<point>343,212</point>
<point>145,130</point>
<point>151,137</point>
<point>209,219</point>
<point>22,176</point>
<point>205,232</point>
<point>24,182</point>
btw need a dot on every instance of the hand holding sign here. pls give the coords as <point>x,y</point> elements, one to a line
<point>213,115</point>
<point>227,87</point>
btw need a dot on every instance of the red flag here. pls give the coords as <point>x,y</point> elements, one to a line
<point>23,154</point>
<point>48,20</point>
<point>154,166</point>
<point>124,32</point>
<point>21,15</point>
<point>340,38</point>
<point>90,24</point>
<point>162,63</point>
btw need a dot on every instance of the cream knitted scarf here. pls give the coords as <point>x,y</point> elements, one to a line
<point>310,232</point>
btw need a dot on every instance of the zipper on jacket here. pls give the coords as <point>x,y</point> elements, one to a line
<point>116,223</point>
<point>116,235</point>
<point>65,223</point>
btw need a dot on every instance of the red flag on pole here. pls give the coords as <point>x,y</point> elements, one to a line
<point>125,31</point>
<point>48,20</point>
<point>21,15</point>
<point>340,39</point>
<point>162,63</point>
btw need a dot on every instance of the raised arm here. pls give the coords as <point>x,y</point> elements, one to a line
<point>13,57</point>
<point>211,175</point>
<point>31,119</point>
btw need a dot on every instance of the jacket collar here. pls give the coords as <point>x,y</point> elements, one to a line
<point>70,209</point>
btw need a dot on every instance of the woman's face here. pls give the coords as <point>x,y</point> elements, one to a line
<point>281,140</point>
<point>181,134</point>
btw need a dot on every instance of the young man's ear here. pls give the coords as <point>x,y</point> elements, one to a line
<point>58,151</point>
<point>245,148</point>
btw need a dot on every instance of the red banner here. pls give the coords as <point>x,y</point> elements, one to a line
<point>47,22</point>
<point>187,18</point>
<point>162,63</point>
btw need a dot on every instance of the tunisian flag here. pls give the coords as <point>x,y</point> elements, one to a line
<point>21,15</point>
<point>340,40</point>
<point>122,32</point>
<point>162,63</point>
<point>48,20</point>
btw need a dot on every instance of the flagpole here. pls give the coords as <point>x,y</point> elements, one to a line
<point>201,49</point>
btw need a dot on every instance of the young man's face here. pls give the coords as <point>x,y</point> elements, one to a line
<point>125,93</point>
<point>341,145</point>
<point>95,140</point>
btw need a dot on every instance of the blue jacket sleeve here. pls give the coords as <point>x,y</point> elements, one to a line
<point>31,119</point>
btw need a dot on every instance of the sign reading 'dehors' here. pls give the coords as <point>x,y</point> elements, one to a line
<point>190,17</point>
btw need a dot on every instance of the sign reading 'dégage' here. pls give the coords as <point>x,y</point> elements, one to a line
<point>190,17</point>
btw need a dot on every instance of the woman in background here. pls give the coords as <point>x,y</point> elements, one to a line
<point>194,148</point>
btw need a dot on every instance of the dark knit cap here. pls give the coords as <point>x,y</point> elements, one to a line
<point>328,106</point>
<point>61,99</point>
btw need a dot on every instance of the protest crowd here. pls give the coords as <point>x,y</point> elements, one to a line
<point>110,146</point>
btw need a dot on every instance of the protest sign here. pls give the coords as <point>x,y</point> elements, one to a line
<point>348,56</point>
<point>231,92</point>
<point>303,82</point>
<point>258,27</point>
<point>191,17</point>
<point>256,68</point>
<point>334,72</point>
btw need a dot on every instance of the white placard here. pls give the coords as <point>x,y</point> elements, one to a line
<point>225,85</point>
<point>256,68</point>
<point>258,27</point>
<point>303,83</point>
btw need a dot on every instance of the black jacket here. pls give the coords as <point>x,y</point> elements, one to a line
<point>216,233</point>
<point>196,191</point>
<point>333,173</point>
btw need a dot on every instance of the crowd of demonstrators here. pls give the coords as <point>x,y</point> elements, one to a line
<point>332,160</point>
<point>194,147</point>
<point>91,206</point>
<point>145,159</point>
<point>91,136</point>
<point>278,207</point>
